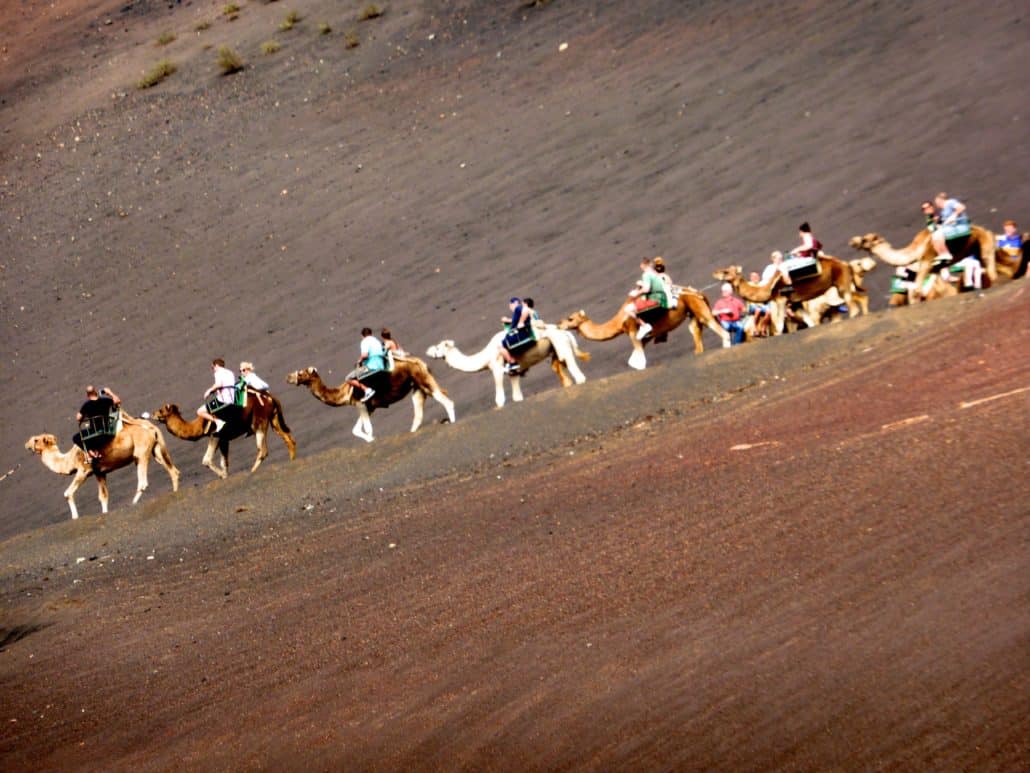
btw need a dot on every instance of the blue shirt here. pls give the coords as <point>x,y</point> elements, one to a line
<point>1014,242</point>
<point>372,353</point>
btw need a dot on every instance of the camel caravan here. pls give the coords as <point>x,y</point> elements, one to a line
<point>803,288</point>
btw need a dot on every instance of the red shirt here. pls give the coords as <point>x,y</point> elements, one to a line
<point>730,308</point>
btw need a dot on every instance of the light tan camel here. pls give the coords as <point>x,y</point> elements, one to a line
<point>559,345</point>
<point>814,310</point>
<point>980,243</point>
<point>833,272</point>
<point>691,307</point>
<point>259,412</point>
<point>409,375</point>
<point>135,443</point>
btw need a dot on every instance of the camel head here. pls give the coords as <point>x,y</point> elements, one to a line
<point>439,351</point>
<point>37,444</point>
<point>862,266</point>
<point>165,411</point>
<point>729,274</point>
<point>867,242</point>
<point>302,377</point>
<point>574,320</point>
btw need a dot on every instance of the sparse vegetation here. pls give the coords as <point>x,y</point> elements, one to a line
<point>324,28</point>
<point>202,25</point>
<point>270,46</point>
<point>156,74</point>
<point>370,11</point>
<point>231,10</point>
<point>350,39</point>
<point>165,38</point>
<point>290,21</point>
<point>229,60</point>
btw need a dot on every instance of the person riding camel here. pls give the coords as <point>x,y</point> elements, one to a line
<point>954,224</point>
<point>252,382</point>
<point>519,325</point>
<point>372,361</point>
<point>933,219</point>
<point>775,268</point>
<point>810,247</point>
<point>660,269</point>
<point>393,349</point>
<point>649,293</point>
<point>224,388</point>
<point>99,405</point>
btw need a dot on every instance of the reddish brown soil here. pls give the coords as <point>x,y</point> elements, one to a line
<point>809,552</point>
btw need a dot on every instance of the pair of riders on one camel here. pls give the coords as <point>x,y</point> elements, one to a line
<point>653,292</point>
<point>227,392</point>
<point>376,358</point>
<point>948,223</point>
<point>99,419</point>
<point>520,331</point>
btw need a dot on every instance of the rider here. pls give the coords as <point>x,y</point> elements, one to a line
<point>730,311</point>
<point>392,348</point>
<point>225,386</point>
<point>810,247</point>
<point>252,381</point>
<point>954,223</point>
<point>98,404</point>
<point>659,268</point>
<point>520,319</point>
<point>373,360</point>
<point>649,293</point>
<point>775,268</point>
<point>1010,242</point>
<point>933,220</point>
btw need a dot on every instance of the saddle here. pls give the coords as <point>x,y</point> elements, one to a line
<point>97,431</point>
<point>519,338</point>
<point>801,269</point>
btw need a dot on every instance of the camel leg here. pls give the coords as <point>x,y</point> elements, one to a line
<point>778,312</point>
<point>209,459</point>
<point>261,437</point>
<point>165,460</point>
<point>141,477</point>
<point>516,389</point>
<point>418,403</point>
<point>363,426</point>
<point>574,370</point>
<point>559,370</point>
<point>102,493</point>
<point>447,403</point>
<point>695,331</point>
<point>287,438</point>
<point>69,493</point>
<point>637,360</point>
<point>497,371</point>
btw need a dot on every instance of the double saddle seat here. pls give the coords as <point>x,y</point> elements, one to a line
<point>230,413</point>
<point>95,432</point>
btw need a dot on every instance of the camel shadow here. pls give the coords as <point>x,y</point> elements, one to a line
<point>9,636</point>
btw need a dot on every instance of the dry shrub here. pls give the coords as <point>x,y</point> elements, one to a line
<point>370,11</point>
<point>270,46</point>
<point>156,74</point>
<point>291,19</point>
<point>229,60</point>
<point>230,9</point>
<point>324,28</point>
<point>165,38</point>
<point>202,25</point>
<point>350,39</point>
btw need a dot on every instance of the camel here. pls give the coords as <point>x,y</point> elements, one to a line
<point>259,412</point>
<point>833,273</point>
<point>408,375</point>
<point>815,309</point>
<point>135,443</point>
<point>691,307</point>
<point>980,243</point>
<point>559,345</point>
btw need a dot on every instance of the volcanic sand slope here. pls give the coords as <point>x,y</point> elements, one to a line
<point>816,558</point>
<point>455,157</point>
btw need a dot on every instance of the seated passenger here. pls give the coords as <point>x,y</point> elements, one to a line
<point>534,316</point>
<point>252,382</point>
<point>98,405</point>
<point>371,361</point>
<point>933,220</point>
<point>1009,241</point>
<point>224,388</point>
<point>519,324</point>
<point>649,293</point>
<point>775,268</point>
<point>730,311</point>
<point>670,294</point>
<point>810,247</point>
<point>393,349</point>
<point>954,223</point>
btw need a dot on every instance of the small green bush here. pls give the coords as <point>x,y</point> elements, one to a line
<point>370,11</point>
<point>156,74</point>
<point>324,28</point>
<point>229,60</point>
<point>165,38</point>
<point>290,21</point>
<point>350,39</point>
<point>202,25</point>
<point>230,9</point>
<point>270,46</point>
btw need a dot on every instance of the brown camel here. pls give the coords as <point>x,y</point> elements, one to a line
<point>691,307</point>
<point>980,243</point>
<point>833,273</point>
<point>135,443</point>
<point>409,376</point>
<point>828,304</point>
<point>259,412</point>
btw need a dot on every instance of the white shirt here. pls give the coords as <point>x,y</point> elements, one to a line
<point>226,380</point>
<point>770,271</point>
<point>252,379</point>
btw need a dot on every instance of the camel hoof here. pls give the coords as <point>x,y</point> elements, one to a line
<point>638,360</point>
